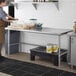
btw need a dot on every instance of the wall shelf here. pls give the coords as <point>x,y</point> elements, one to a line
<point>35,4</point>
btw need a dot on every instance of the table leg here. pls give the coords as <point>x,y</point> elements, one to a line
<point>59,60</point>
<point>55,60</point>
<point>32,57</point>
<point>8,42</point>
<point>20,43</point>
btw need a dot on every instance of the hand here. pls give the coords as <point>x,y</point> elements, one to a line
<point>15,19</point>
<point>12,18</point>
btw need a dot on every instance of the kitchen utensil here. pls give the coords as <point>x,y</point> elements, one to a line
<point>38,26</point>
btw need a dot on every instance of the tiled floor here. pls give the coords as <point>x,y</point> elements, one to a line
<point>2,74</point>
<point>26,57</point>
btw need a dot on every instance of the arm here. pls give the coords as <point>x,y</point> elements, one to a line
<point>10,17</point>
<point>4,16</point>
<point>6,20</point>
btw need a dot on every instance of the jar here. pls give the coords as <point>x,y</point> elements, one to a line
<point>55,48</point>
<point>49,48</point>
<point>33,21</point>
<point>74,27</point>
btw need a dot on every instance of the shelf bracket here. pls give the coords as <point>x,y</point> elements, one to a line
<point>56,4</point>
<point>35,5</point>
<point>16,5</point>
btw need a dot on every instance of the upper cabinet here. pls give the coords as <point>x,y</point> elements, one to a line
<point>35,3</point>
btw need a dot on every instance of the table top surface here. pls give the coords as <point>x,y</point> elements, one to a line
<point>44,30</point>
<point>72,34</point>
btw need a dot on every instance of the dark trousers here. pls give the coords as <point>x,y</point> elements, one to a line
<point>0,48</point>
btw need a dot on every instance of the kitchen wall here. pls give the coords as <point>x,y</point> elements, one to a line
<point>5,9</point>
<point>50,16</point>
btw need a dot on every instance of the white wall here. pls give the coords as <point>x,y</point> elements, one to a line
<point>5,9</point>
<point>50,16</point>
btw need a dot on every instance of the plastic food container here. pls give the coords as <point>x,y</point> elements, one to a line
<point>50,48</point>
<point>33,21</point>
<point>55,48</point>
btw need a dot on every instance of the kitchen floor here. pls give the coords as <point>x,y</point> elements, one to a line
<point>26,57</point>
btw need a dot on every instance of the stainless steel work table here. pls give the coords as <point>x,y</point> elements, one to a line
<point>47,31</point>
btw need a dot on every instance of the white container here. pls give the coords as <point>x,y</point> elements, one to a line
<point>34,21</point>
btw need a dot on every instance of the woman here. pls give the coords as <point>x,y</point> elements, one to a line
<point>3,19</point>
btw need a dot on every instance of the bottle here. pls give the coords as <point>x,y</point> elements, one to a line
<point>74,27</point>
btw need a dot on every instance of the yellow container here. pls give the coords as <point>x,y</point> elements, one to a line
<point>55,48</point>
<point>49,48</point>
<point>52,48</point>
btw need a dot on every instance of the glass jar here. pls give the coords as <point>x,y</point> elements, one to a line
<point>49,48</point>
<point>55,48</point>
<point>33,21</point>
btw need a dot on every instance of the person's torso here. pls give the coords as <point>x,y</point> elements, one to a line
<point>2,13</point>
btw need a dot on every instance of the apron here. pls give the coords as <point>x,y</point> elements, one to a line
<point>2,32</point>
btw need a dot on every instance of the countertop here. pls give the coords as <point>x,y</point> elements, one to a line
<point>71,34</point>
<point>44,30</point>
